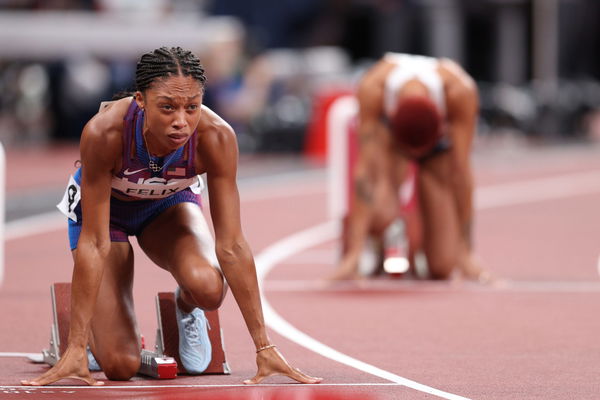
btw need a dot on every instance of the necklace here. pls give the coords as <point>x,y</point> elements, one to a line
<point>153,165</point>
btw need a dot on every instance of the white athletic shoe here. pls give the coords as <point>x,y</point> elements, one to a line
<point>395,245</point>
<point>195,350</point>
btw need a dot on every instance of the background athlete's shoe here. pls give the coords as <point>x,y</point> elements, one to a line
<point>395,248</point>
<point>195,350</point>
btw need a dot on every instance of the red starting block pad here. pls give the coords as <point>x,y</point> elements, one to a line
<point>167,320</point>
<point>157,365</point>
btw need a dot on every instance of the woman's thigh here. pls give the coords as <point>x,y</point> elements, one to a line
<point>179,241</point>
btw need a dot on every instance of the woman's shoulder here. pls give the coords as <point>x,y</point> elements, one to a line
<point>108,122</point>
<point>214,129</point>
<point>456,74</point>
<point>462,94</point>
<point>216,146</point>
<point>102,136</point>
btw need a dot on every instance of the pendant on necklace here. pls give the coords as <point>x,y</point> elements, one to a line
<point>154,166</point>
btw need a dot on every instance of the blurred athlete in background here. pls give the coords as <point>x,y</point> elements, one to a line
<point>419,110</point>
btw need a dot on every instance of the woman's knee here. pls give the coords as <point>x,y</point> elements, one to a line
<point>440,267</point>
<point>205,286</point>
<point>440,272</point>
<point>120,366</point>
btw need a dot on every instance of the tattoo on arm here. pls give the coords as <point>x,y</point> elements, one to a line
<point>364,190</point>
<point>467,234</point>
<point>366,136</point>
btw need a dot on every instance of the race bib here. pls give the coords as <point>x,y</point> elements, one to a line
<point>70,199</point>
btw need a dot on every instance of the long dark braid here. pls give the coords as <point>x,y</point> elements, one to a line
<point>165,62</point>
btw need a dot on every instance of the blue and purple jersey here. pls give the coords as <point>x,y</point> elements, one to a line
<point>150,192</point>
<point>137,180</point>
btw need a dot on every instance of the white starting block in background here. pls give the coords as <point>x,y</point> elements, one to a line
<point>2,208</point>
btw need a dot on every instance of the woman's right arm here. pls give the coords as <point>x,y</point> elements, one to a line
<point>94,242</point>
<point>97,157</point>
<point>364,179</point>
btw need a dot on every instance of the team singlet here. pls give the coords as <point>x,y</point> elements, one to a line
<point>408,66</point>
<point>136,180</point>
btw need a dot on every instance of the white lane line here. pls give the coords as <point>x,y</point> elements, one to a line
<point>295,243</point>
<point>327,256</point>
<point>400,286</point>
<point>57,388</point>
<point>598,266</point>
<point>536,190</point>
<point>25,355</point>
<point>494,196</point>
<point>36,224</point>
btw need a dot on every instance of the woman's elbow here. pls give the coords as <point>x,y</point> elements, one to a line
<point>231,254</point>
<point>98,246</point>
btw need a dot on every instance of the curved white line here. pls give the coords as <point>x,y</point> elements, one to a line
<point>279,251</point>
<point>536,190</point>
<point>494,196</point>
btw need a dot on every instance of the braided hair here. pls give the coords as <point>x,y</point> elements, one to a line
<point>165,62</point>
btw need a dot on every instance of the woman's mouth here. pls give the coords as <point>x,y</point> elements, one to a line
<point>178,138</point>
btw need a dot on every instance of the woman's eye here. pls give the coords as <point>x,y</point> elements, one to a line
<point>167,107</point>
<point>193,107</point>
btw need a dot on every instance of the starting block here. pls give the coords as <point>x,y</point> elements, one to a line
<point>164,361</point>
<point>167,335</point>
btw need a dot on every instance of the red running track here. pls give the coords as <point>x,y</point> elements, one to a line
<point>534,336</point>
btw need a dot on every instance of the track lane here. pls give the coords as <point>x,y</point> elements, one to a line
<point>496,232</point>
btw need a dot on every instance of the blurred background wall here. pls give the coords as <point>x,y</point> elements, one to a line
<point>272,65</point>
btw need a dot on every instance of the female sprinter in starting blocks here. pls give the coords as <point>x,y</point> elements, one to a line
<point>140,160</point>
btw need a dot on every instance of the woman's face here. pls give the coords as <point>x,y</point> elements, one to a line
<point>172,112</point>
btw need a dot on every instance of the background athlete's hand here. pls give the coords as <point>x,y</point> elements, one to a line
<point>346,270</point>
<point>73,365</point>
<point>270,362</point>
<point>472,269</point>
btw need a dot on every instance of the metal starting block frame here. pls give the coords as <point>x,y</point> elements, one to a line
<point>164,361</point>
<point>60,294</point>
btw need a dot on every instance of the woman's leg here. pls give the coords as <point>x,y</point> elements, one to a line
<point>439,216</point>
<point>179,241</point>
<point>115,339</point>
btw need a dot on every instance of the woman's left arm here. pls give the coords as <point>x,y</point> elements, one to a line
<point>463,111</point>
<point>233,252</point>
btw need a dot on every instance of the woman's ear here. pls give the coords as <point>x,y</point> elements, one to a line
<point>139,99</point>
